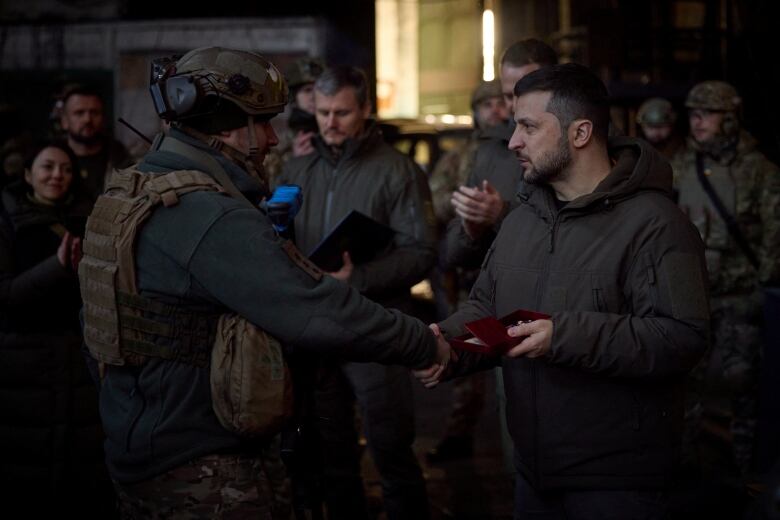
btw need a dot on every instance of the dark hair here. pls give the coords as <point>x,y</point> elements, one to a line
<point>80,89</point>
<point>341,76</point>
<point>577,93</point>
<point>40,146</point>
<point>526,52</point>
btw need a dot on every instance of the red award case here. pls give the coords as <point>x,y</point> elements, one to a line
<point>489,335</point>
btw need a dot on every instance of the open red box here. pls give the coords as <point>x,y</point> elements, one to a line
<point>489,335</point>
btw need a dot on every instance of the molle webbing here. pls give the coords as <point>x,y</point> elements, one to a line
<point>120,326</point>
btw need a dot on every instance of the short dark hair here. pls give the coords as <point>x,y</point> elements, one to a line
<point>577,93</point>
<point>41,145</point>
<point>338,77</point>
<point>81,89</point>
<point>526,52</point>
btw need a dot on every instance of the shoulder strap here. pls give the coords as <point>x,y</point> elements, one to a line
<point>216,169</point>
<point>731,224</point>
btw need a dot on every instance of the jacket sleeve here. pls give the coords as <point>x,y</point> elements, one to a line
<point>414,251</point>
<point>241,263</point>
<point>666,329</point>
<point>479,305</point>
<point>32,285</point>
<point>769,208</point>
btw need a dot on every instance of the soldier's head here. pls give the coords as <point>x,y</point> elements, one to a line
<point>560,111</point>
<point>656,118</point>
<point>487,103</point>
<point>229,95</point>
<point>341,104</point>
<point>301,75</point>
<point>713,111</point>
<point>519,59</point>
<point>82,116</point>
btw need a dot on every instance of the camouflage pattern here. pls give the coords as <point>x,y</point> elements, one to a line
<point>245,78</point>
<point>451,171</point>
<point>303,71</point>
<point>656,111</point>
<point>749,186</point>
<point>714,95</point>
<point>214,486</point>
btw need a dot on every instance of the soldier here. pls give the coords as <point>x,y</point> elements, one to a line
<point>295,139</point>
<point>656,119</point>
<point>489,193</point>
<point>452,170</point>
<point>731,192</point>
<point>207,270</point>
<point>352,168</point>
<point>83,121</point>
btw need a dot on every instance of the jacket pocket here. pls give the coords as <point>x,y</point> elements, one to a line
<point>605,294</point>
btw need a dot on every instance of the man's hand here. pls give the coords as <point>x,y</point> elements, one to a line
<point>478,208</point>
<point>345,272</point>
<point>538,342</point>
<point>432,375</point>
<point>302,144</point>
<point>69,252</point>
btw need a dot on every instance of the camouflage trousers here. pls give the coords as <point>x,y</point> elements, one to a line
<point>736,340</point>
<point>214,486</point>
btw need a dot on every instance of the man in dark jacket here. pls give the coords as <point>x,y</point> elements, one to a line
<point>352,168</point>
<point>594,394</point>
<point>203,255</point>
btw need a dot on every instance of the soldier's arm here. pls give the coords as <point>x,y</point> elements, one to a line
<point>242,264</point>
<point>769,250</point>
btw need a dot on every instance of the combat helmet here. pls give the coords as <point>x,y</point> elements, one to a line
<point>302,71</point>
<point>189,86</point>
<point>655,112</point>
<point>486,90</point>
<point>714,95</point>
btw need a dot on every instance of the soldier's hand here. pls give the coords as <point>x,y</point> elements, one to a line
<point>69,251</point>
<point>538,342</point>
<point>479,208</point>
<point>432,375</point>
<point>302,144</point>
<point>345,272</point>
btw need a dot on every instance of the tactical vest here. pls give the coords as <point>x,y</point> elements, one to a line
<point>119,324</point>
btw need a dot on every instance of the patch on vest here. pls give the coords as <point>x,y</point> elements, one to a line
<point>301,261</point>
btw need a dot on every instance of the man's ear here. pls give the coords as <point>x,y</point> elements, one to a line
<point>28,176</point>
<point>580,132</point>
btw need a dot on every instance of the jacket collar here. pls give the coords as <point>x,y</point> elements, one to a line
<point>354,147</point>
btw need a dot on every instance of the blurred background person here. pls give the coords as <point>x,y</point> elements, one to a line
<point>656,119</point>
<point>83,122</point>
<point>50,437</point>
<point>731,192</point>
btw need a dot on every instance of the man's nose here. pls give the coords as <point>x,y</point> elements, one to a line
<point>271,136</point>
<point>516,142</point>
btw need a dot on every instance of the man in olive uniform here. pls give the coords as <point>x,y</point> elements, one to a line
<point>200,255</point>
<point>295,138</point>
<point>722,158</point>
<point>452,285</point>
<point>656,119</point>
<point>352,168</point>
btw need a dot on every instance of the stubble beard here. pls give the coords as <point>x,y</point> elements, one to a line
<point>551,165</point>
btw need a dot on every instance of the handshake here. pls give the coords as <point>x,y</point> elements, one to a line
<point>537,338</point>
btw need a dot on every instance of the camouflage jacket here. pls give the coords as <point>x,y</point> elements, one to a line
<point>749,186</point>
<point>451,171</point>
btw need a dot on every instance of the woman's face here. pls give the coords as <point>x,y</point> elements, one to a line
<point>50,175</point>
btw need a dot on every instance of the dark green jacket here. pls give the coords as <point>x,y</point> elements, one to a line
<point>375,179</point>
<point>621,271</point>
<point>212,254</point>
<point>495,163</point>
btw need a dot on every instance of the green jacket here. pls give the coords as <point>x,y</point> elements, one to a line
<point>372,177</point>
<point>749,186</point>
<point>210,254</point>
<point>621,271</point>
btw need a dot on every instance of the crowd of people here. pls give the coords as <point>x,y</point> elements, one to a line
<point>648,258</point>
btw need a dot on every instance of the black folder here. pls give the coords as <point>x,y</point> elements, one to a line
<point>357,233</point>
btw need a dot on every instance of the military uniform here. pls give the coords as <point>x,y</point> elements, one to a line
<point>199,255</point>
<point>749,187</point>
